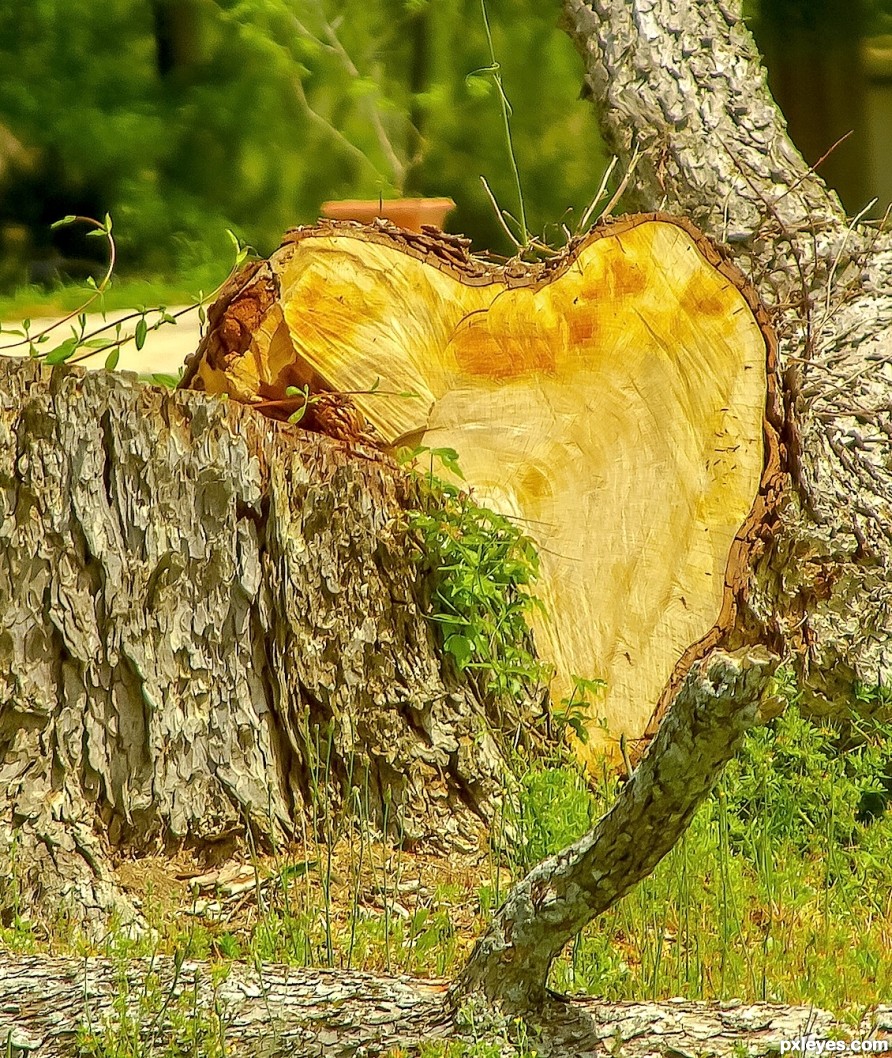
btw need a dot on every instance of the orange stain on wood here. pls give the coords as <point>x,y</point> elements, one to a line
<point>700,299</point>
<point>484,349</point>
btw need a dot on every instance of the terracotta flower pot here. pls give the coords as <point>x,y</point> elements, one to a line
<point>408,213</point>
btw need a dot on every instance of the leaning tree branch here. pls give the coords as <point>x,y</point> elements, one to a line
<point>684,83</point>
<point>718,701</point>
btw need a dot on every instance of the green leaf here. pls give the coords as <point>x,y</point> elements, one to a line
<point>111,361</point>
<point>140,335</point>
<point>461,648</point>
<point>449,458</point>
<point>296,416</point>
<point>478,87</point>
<point>362,88</point>
<point>296,870</point>
<point>62,352</point>
<point>70,219</point>
<point>241,251</point>
<point>160,379</point>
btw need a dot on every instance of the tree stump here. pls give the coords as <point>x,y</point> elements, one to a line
<point>617,400</point>
<point>206,619</point>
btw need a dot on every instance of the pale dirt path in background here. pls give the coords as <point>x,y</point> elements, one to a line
<point>164,351</point>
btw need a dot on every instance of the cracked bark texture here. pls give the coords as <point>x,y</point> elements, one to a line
<point>47,1005</point>
<point>205,618</point>
<point>682,81</point>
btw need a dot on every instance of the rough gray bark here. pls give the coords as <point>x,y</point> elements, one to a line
<point>682,80</point>
<point>718,701</point>
<point>45,1004</point>
<point>204,617</point>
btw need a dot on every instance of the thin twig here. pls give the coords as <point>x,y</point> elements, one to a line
<point>332,130</point>
<point>624,183</point>
<point>602,188</point>
<point>495,70</point>
<point>812,170</point>
<point>30,339</point>
<point>384,142</point>
<point>499,216</point>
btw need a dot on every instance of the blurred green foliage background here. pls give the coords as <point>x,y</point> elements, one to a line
<point>184,117</point>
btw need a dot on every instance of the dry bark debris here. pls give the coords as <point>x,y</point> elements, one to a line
<point>48,1004</point>
<point>618,399</point>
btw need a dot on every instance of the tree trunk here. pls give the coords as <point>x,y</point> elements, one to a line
<point>178,37</point>
<point>206,619</point>
<point>682,82</point>
<point>50,1008</point>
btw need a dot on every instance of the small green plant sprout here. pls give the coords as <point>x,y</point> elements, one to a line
<point>447,457</point>
<point>482,569</point>
<point>878,696</point>
<point>304,399</point>
<point>109,337</point>
<point>304,396</point>
<point>574,712</point>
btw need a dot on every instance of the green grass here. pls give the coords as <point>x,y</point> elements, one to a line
<point>153,1020</point>
<point>781,891</point>
<point>122,293</point>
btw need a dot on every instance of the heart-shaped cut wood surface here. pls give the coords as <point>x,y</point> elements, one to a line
<point>612,400</point>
